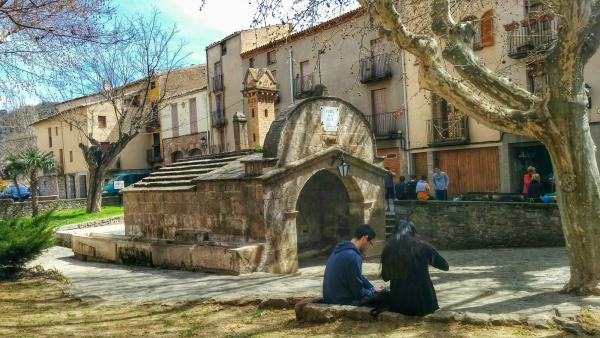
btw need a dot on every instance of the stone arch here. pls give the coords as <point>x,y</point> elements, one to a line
<point>176,156</point>
<point>306,140</point>
<point>195,152</point>
<point>325,212</point>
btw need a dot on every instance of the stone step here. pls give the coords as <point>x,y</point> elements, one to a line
<point>143,184</point>
<point>220,155</point>
<point>199,164</point>
<point>170,178</point>
<point>163,189</point>
<point>180,172</point>
<point>201,159</point>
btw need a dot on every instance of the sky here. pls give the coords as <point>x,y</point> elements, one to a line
<point>199,28</point>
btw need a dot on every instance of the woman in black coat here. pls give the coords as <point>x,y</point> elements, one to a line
<point>405,262</point>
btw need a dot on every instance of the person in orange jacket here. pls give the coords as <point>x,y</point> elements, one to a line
<point>423,189</point>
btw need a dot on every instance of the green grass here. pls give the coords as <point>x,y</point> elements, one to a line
<point>73,216</point>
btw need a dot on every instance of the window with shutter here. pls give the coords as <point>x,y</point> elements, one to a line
<point>487,29</point>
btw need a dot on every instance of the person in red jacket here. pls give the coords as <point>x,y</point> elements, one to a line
<point>527,179</point>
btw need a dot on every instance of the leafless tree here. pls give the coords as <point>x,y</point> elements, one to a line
<point>130,84</point>
<point>37,36</point>
<point>558,117</point>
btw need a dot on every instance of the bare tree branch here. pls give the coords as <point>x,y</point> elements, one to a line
<point>458,51</point>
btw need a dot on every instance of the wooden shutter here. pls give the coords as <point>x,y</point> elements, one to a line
<point>487,29</point>
<point>193,116</point>
<point>174,120</point>
<point>377,47</point>
<point>378,99</point>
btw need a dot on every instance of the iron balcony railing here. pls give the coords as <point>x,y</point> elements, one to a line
<point>386,125</point>
<point>377,67</point>
<point>443,132</point>
<point>303,84</point>
<point>217,83</point>
<point>218,120</point>
<point>531,36</point>
<point>153,120</point>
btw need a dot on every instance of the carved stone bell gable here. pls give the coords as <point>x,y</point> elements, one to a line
<point>259,79</point>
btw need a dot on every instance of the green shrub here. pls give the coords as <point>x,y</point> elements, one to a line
<point>22,240</point>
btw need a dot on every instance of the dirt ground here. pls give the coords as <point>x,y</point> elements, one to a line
<point>39,305</point>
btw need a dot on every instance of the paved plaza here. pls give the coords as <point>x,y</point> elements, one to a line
<point>494,281</point>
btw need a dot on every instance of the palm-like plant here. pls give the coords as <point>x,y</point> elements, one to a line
<point>32,161</point>
<point>12,170</point>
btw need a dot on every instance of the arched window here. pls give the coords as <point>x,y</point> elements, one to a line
<point>487,28</point>
<point>176,156</point>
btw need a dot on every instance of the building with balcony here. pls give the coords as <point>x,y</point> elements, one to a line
<point>226,75</point>
<point>346,58</point>
<point>58,134</point>
<point>510,37</point>
<point>185,120</point>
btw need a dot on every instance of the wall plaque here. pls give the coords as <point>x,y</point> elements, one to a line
<point>330,118</point>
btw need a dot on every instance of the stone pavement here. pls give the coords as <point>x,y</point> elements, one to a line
<point>493,281</point>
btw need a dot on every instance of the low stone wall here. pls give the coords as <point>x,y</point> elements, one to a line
<point>474,225</point>
<point>10,209</point>
<point>62,236</point>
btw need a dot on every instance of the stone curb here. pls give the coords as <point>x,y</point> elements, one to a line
<point>309,311</point>
<point>63,238</point>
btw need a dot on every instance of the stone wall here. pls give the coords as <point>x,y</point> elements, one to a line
<point>473,225</point>
<point>229,211</point>
<point>9,209</point>
<point>186,144</point>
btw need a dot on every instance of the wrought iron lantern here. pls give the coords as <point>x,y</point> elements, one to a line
<point>344,168</point>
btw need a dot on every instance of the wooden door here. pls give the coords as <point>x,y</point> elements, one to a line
<point>471,170</point>
<point>420,164</point>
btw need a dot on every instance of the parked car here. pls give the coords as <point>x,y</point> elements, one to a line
<point>122,180</point>
<point>11,191</point>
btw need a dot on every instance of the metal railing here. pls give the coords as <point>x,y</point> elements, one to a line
<point>218,120</point>
<point>377,67</point>
<point>386,125</point>
<point>217,83</point>
<point>442,132</point>
<point>303,84</point>
<point>531,36</point>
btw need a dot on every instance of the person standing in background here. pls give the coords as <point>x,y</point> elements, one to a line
<point>440,183</point>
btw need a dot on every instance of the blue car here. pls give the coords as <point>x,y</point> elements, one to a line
<point>11,191</point>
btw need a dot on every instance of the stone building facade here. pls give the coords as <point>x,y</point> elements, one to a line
<point>256,211</point>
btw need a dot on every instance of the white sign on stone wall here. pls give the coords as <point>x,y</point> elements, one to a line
<point>118,185</point>
<point>330,118</point>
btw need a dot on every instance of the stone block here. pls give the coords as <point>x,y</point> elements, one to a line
<point>95,248</point>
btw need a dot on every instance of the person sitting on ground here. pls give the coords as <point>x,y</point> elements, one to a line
<point>405,262</point>
<point>343,282</point>
<point>535,189</point>
<point>401,189</point>
<point>422,189</point>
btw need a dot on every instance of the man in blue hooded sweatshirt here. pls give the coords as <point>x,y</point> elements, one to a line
<point>343,282</point>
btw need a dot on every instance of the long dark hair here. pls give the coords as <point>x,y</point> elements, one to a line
<point>398,258</point>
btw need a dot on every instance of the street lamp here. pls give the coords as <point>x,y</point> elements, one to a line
<point>344,168</point>
<point>203,142</point>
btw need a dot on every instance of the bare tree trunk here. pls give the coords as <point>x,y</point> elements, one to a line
<point>16,183</point>
<point>33,183</point>
<point>96,184</point>
<point>578,197</point>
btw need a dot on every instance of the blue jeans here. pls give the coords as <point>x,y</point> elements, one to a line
<point>441,195</point>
